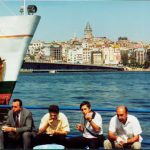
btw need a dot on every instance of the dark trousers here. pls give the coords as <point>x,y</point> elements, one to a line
<point>48,139</point>
<point>82,142</point>
<point>13,140</point>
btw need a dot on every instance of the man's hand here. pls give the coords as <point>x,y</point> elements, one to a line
<point>52,132</point>
<point>43,129</point>
<point>79,127</point>
<point>8,129</point>
<point>88,116</point>
<point>121,141</point>
<point>50,121</point>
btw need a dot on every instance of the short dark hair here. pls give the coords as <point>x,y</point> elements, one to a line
<point>53,108</point>
<point>85,103</point>
<point>18,100</point>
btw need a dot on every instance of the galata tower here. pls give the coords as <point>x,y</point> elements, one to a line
<point>88,31</point>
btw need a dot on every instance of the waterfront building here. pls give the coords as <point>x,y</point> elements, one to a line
<point>97,58</point>
<point>147,58</point>
<point>56,52</point>
<point>112,56</point>
<point>35,46</point>
<point>117,57</point>
<point>65,49</point>
<point>108,55</point>
<point>86,56</point>
<point>46,49</point>
<point>124,55</point>
<point>90,50</point>
<point>38,52</point>
<point>40,57</point>
<point>75,56</point>
<point>85,44</point>
<point>140,55</point>
<point>117,54</point>
<point>148,54</point>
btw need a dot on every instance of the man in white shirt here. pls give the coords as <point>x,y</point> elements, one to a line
<point>53,128</point>
<point>124,131</point>
<point>91,127</point>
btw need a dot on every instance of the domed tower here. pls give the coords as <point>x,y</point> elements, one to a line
<point>88,31</point>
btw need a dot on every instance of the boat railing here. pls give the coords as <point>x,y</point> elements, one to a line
<point>78,109</point>
<point>145,111</point>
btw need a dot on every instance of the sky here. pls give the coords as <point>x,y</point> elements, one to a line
<point>62,20</point>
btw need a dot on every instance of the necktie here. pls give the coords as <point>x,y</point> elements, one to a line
<point>17,120</point>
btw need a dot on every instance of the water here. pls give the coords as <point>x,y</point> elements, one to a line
<point>102,89</point>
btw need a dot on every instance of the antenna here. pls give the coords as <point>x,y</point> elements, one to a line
<point>24,6</point>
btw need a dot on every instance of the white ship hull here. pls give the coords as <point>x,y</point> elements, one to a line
<point>16,33</point>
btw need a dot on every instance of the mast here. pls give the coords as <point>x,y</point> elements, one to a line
<point>24,6</point>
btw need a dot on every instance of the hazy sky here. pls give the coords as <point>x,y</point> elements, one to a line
<point>61,20</point>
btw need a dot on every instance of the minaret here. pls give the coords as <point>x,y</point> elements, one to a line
<point>88,31</point>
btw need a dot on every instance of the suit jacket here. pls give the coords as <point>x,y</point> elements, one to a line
<point>26,121</point>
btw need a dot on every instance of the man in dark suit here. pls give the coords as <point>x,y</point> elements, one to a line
<point>19,127</point>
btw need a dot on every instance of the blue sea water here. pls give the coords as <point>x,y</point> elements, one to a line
<point>102,89</point>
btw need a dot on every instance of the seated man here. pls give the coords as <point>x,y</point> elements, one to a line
<point>91,127</point>
<point>124,131</point>
<point>53,128</point>
<point>18,128</point>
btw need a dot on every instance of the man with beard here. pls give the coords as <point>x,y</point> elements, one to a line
<point>124,131</point>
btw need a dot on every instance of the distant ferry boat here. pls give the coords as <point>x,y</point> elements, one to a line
<point>16,33</point>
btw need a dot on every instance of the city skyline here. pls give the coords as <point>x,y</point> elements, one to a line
<point>62,20</point>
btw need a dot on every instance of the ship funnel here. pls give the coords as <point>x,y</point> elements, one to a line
<point>31,9</point>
